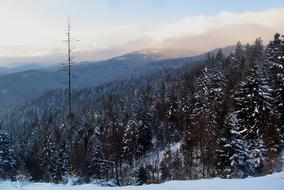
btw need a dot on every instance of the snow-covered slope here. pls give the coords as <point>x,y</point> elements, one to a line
<point>269,182</point>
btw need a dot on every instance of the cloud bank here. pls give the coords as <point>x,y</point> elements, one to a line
<point>191,35</point>
<point>203,33</point>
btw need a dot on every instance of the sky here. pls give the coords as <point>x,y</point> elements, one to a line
<point>32,31</point>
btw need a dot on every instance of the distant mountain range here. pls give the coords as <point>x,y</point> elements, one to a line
<point>20,68</point>
<point>21,83</point>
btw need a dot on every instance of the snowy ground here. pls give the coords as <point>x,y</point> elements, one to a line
<point>269,182</point>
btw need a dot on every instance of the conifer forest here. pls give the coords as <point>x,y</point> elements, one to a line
<point>213,115</point>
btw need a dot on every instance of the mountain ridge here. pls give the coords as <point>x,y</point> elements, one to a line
<point>21,86</point>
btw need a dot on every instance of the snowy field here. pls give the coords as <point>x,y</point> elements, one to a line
<point>269,182</point>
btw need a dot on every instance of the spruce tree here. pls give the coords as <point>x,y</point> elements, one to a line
<point>129,142</point>
<point>143,175</point>
<point>166,167</point>
<point>63,160</point>
<point>239,150</point>
<point>7,157</point>
<point>48,157</point>
<point>275,54</point>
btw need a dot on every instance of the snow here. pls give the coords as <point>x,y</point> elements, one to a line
<point>121,58</point>
<point>282,155</point>
<point>151,157</point>
<point>272,182</point>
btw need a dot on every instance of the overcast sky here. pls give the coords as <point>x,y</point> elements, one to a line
<point>33,30</point>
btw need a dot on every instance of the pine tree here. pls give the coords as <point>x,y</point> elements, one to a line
<point>143,175</point>
<point>48,157</point>
<point>225,150</point>
<point>172,118</point>
<point>143,137</point>
<point>252,111</point>
<point>97,165</point>
<point>200,113</point>
<point>239,149</point>
<point>143,134</point>
<point>240,55</point>
<point>275,54</point>
<point>187,149</point>
<point>7,157</point>
<point>129,142</point>
<point>194,147</point>
<point>249,108</point>
<point>177,166</point>
<point>234,67</point>
<point>215,119</point>
<point>63,160</point>
<point>272,93</point>
<point>166,165</point>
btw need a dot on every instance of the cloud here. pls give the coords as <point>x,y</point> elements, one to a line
<point>221,36</point>
<point>195,34</point>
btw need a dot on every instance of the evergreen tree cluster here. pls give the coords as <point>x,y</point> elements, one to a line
<point>224,116</point>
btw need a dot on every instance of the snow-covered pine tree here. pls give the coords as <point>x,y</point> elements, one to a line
<point>7,157</point>
<point>63,160</point>
<point>177,170</point>
<point>143,134</point>
<point>275,54</point>
<point>219,59</point>
<point>129,142</point>
<point>48,156</point>
<point>97,167</point>
<point>166,165</point>
<point>172,118</point>
<point>268,119</point>
<point>249,112</point>
<point>238,150</point>
<point>143,175</point>
<point>215,120</point>
<point>233,67</point>
<point>143,137</point>
<point>194,146</point>
<point>239,55</point>
<point>187,150</point>
<point>224,149</point>
<point>187,145</point>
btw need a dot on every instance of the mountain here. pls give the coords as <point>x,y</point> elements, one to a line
<point>18,87</point>
<point>21,86</point>
<point>148,55</point>
<point>21,68</point>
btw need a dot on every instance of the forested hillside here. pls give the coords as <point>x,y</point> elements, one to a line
<point>14,89</point>
<point>226,112</point>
